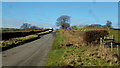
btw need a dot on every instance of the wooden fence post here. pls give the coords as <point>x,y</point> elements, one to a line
<point>100,42</point>
<point>111,46</point>
<point>112,37</point>
<point>117,50</point>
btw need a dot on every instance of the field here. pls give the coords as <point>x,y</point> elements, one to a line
<point>69,49</point>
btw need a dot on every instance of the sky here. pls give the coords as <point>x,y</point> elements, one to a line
<point>59,0</point>
<point>44,14</point>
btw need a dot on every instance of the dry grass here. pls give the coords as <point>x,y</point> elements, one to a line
<point>74,53</point>
<point>88,56</point>
<point>71,37</point>
<point>103,53</point>
<point>94,53</point>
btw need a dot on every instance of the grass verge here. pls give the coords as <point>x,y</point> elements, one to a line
<point>77,55</point>
<point>20,40</point>
<point>56,53</point>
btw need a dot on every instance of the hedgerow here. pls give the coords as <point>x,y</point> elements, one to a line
<point>93,36</point>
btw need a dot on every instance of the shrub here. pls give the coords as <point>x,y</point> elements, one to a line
<point>94,36</point>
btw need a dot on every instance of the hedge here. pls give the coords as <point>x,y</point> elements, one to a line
<point>93,36</point>
<point>14,34</point>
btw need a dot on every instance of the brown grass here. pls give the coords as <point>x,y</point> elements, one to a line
<point>103,53</point>
<point>75,39</point>
<point>73,54</point>
<point>71,37</point>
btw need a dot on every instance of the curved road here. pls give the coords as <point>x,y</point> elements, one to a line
<point>30,54</point>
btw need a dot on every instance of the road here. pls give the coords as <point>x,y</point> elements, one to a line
<point>30,54</point>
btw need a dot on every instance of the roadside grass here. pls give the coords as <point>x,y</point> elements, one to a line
<point>13,41</point>
<point>19,40</point>
<point>87,56</point>
<point>54,56</point>
<point>58,40</point>
<point>78,55</point>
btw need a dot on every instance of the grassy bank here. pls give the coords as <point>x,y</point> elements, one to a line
<point>67,50</point>
<point>56,53</point>
<point>20,40</point>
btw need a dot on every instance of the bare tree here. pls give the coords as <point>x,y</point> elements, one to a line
<point>34,27</point>
<point>63,21</point>
<point>109,24</point>
<point>93,26</point>
<point>74,27</point>
<point>25,26</point>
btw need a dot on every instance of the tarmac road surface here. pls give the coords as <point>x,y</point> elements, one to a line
<point>30,54</point>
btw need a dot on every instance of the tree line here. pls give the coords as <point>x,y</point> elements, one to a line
<point>29,26</point>
<point>64,23</point>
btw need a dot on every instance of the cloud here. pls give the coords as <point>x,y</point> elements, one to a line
<point>42,24</point>
<point>11,23</point>
<point>16,23</point>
